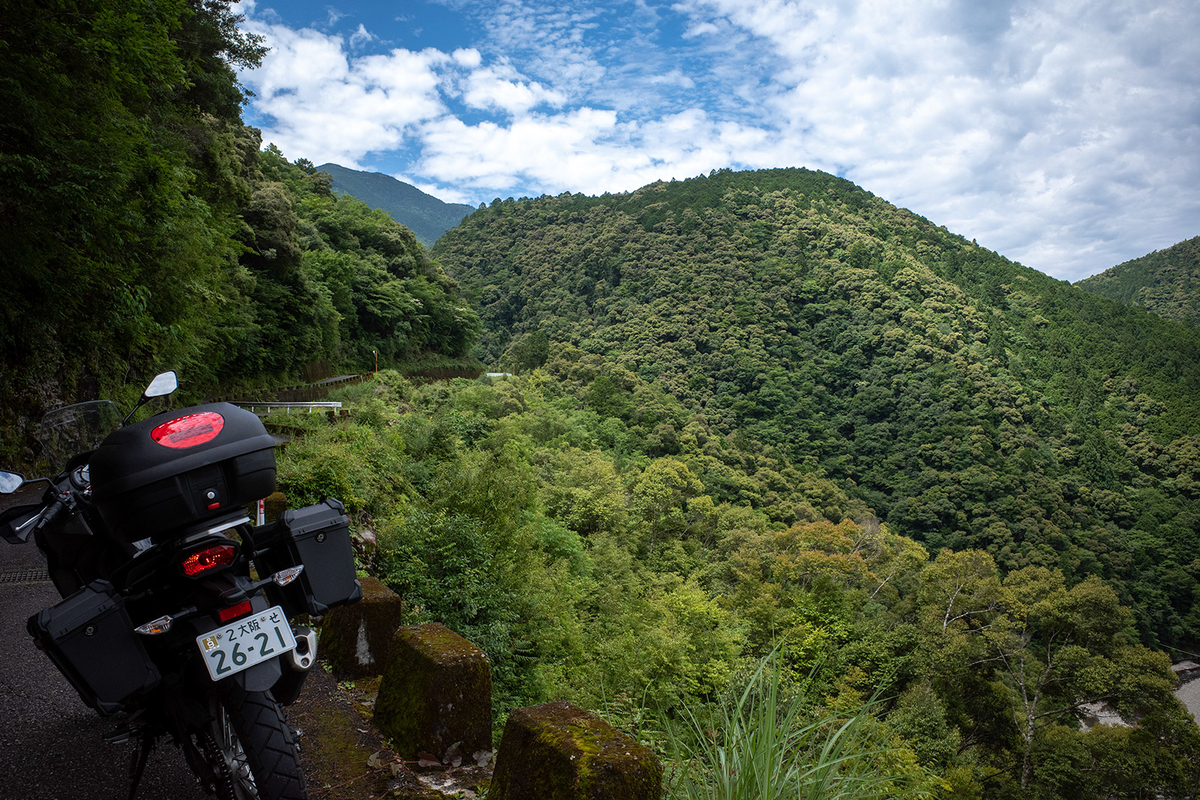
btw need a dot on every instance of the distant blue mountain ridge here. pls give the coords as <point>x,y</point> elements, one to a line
<point>423,214</point>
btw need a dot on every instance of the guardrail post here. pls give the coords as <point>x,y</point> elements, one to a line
<point>357,639</point>
<point>436,695</point>
<point>557,751</point>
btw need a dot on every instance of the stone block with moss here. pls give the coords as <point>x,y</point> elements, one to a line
<point>356,639</point>
<point>557,751</point>
<point>274,505</point>
<point>436,694</point>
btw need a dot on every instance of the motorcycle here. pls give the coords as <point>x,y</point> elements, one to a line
<point>177,611</point>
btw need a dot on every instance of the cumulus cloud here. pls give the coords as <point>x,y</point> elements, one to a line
<point>501,88</point>
<point>362,36</point>
<point>328,107</point>
<point>1063,134</point>
<point>535,150</point>
<point>584,148</point>
<point>1043,129</point>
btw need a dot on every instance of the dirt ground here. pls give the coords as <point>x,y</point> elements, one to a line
<point>344,758</point>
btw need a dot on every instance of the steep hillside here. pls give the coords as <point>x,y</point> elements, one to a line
<point>423,214</point>
<point>1166,282</point>
<point>971,402</point>
<point>141,227</point>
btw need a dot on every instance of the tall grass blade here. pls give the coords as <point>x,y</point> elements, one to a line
<point>764,745</point>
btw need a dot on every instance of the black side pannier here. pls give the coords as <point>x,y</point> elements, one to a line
<point>317,536</point>
<point>90,638</point>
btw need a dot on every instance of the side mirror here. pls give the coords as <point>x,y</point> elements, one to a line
<point>162,385</point>
<point>10,482</point>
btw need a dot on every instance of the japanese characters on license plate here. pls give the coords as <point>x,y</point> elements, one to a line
<point>241,644</point>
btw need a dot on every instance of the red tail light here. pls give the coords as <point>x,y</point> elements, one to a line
<point>201,561</point>
<point>233,612</point>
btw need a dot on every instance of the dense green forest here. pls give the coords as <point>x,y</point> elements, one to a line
<point>967,401</point>
<point>142,228</point>
<point>1166,282</point>
<point>548,518</point>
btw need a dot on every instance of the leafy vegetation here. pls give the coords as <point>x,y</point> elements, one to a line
<point>1166,282</point>
<point>758,418</point>
<point>839,656</point>
<point>760,745</point>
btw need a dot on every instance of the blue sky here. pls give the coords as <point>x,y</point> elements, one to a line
<point>1064,134</point>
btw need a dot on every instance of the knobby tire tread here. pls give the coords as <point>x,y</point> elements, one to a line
<point>269,744</point>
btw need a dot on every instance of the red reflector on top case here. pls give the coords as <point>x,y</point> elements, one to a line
<point>189,431</point>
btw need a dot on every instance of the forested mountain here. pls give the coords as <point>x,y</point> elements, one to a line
<point>141,228</point>
<point>1166,282</point>
<point>968,401</point>
<point>423,214</point>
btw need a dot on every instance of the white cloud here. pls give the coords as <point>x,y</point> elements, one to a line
<point>328,107</point>
<point>547,151</point>
<point>1044,130</point>
<point>361,36</point>
<point>469,58</point>
<point>585,148</point>
<point>440,192</point>
<point>675,77</point>
<point>697,29</point>
<point>501,88</point>
<point>548,40</point>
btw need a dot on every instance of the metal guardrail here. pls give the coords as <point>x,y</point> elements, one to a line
<point>339,379</point>
<point>296,393</point>
<point>267,405</point>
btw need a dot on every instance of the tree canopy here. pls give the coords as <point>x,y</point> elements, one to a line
<point>1166,282</point>
<point>966,400</point>
<point>597,567</point>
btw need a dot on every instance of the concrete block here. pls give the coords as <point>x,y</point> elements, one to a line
<point>274,506</point>
<point>356,639</point>
<point>556,751</point>
<point>436,694</point>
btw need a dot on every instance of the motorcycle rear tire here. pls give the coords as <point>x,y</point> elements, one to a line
<point>259,746</point>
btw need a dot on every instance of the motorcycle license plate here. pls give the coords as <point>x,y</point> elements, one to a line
<point>241,644</point>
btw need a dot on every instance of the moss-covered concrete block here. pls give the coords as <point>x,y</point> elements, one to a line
<point>356,639</point>
<point>556,751</point>
<point>274,505</point>
<point>436,693</point>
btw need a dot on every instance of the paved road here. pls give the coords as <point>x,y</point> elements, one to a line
<point>1189,695</point>
<point>51,745</point>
